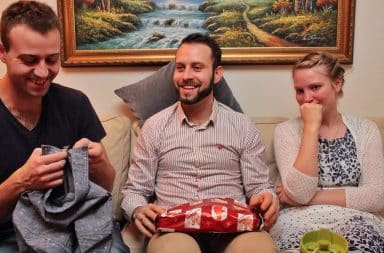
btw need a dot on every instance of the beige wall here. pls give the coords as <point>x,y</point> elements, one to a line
<point>262,90</point>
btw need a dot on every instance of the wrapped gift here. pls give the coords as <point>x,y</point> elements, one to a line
<point>223,215</point>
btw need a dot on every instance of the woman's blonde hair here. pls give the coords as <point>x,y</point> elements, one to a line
<point>332,66</point>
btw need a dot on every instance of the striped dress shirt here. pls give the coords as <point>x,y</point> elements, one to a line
<point>175,161</point>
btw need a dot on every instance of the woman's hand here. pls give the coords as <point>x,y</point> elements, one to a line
<point>311,114</point>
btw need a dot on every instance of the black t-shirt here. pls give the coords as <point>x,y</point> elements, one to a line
<point>67,116</point>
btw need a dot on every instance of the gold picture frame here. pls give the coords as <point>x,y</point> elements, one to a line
<point>72,55</point>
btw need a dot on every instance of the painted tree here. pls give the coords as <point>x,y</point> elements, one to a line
<point>304,5</point>
<point>297,5</point>
<point>282,6</point>
<point>312,5</point>
<point>326,4</point>
<point>104,5</point>
<point>84,3</point>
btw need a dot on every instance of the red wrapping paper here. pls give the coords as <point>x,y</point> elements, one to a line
<point>223,215</point>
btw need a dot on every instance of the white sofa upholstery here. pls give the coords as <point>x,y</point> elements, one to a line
<point>119,142</point>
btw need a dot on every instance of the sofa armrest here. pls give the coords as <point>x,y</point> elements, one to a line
<point>117,143</point>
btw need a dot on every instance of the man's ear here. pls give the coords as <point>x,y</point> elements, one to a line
<point>218,74</point>
<point>2,52</point>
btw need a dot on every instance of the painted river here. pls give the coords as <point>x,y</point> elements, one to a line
<point>174,19</point>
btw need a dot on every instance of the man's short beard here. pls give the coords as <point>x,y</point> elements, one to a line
<point>200,96</point>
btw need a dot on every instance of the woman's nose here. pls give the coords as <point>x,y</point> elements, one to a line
<point>308,98</point>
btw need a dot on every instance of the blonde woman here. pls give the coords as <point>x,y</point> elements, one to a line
<point>331,164</point>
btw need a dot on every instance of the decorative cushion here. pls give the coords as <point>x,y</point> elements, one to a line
<point>156,92</point>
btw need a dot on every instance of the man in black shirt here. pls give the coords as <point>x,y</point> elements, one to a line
<point>35,111</point>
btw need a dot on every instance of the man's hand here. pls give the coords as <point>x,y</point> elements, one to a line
<point>283,197</point>
<point>144,217</point>
<point>42,172</point>
<point>95,150</point>
<point>101,171</point>
<point>268,204</point>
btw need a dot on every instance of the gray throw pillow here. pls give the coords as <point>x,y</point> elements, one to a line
<point>156,92</point>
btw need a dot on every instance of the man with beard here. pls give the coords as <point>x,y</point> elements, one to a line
<point>195,149</point>
<point>35,111</point>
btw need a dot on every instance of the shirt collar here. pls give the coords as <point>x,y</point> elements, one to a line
<point>182,118</point>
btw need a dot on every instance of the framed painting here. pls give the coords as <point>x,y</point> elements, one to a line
<point>138,32</point>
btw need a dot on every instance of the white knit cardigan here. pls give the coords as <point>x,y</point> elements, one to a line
<point>369,194</point>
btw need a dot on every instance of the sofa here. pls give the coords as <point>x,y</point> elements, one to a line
<point>121,136</point>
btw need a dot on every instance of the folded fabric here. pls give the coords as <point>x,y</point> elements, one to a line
<point>74,217</point>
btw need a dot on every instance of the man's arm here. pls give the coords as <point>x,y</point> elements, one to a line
<point>39,172</point>
<point>10,191</point>
<point>258,187</point>
<point>255,172</point>
<point>101,171</point>
<point>140,185</point>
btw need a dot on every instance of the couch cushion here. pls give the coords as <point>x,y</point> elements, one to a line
<point>267,125</point>
<point>117,143</point>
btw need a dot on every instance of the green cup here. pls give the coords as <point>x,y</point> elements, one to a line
<point>323,241</point>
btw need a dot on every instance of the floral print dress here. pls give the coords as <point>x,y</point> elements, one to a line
<point>338,167</point>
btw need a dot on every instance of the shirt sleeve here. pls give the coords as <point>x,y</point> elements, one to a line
<point>299,186</point>
<point>255,172</point>
<point>142,172</point>
<point>369,195</point>
<point>89,124</point>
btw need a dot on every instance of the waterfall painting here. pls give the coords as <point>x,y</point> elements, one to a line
<point>142,32</point>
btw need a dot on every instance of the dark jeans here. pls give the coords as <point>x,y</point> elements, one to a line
<point>9,245</point>
<point>118,245</point>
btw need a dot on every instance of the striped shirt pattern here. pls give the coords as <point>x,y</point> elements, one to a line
<point>177,161</point>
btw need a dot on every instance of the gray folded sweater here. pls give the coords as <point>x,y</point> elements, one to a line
<point>73,217</point>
